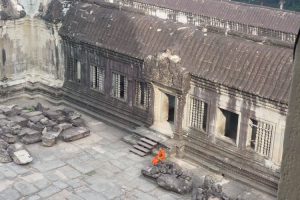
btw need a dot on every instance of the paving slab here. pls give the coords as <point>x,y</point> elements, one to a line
<point>48,165</point>
<point>49,191</point>
<point>10,194</point>
<point>25,188</point>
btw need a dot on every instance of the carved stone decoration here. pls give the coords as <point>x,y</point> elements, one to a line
<point>165,68</point>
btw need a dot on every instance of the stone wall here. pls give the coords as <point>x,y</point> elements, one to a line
<point>30,49</point>
<point>235,159</point>
<point>289,187</point>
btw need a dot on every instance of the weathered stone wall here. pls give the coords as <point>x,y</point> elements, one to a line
<point>289,187</point>
<point>30,48</point>
<point>236,159</point>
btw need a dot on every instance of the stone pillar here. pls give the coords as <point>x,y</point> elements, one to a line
<point>178,134</point>
<point>289,186</point>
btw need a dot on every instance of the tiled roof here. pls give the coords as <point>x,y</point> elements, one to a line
<point>270,18</point>
<point>259,69</point>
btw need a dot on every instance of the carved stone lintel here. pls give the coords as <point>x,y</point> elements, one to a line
<point>166,69</point>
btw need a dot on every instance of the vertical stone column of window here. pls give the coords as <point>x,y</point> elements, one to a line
<point>289,187</point>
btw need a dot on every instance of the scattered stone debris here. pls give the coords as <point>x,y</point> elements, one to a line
<point>208,190</point>
<point>29,125</point>
<point>172,177</point>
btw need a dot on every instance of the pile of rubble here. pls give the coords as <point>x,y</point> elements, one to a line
<point>172,177</point>
<point>30,125</point>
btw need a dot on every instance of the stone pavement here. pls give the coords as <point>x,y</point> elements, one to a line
<point>97,167</point>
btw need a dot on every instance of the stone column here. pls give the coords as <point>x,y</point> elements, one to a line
<point>178,133</point>
<point>289,186</point>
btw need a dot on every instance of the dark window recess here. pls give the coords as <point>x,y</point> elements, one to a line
<point>231,124</point>
<point>122,87</point>
<point>143,87</point>
<point>253,135</point>
<point>171,114</point>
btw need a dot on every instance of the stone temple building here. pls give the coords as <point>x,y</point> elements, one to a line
<point>212,76</point>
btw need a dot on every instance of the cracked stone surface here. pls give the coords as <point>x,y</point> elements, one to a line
<point>96,167</point>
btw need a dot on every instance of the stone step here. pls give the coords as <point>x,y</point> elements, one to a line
<point>148,146</point>
<point>138,152</point>
<point>152,143</point>
<point>143,149</point>
<point>153,138</point>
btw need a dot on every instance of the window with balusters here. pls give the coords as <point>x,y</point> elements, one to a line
<point>142,94</point>
<point>97,75</point>
<point>119,86</point>
<point>261,137</point>
<point>198,114</point>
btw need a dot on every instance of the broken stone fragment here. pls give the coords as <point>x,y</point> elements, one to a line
<point>64,126</point>
<point>30,136</point>
<point>44,121</point>
<point>19,154</point>
<point>37,118</point>
<point>74,133</point>
<point>28,115</point>
<point>4,156</point>
<point>11,111</point>
<point>36,126</point>
<point>9,138</point>
<point>3,144</point>
<point>49,137</point>
<point>77,122</point>
<point>208,190</point>
<point>53,115</point>
<point>40,107</point>
<point>19,120</point>
<point>21,157</point>
<point>174,183</point>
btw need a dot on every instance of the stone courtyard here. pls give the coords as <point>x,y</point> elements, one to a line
<point>96,167</point>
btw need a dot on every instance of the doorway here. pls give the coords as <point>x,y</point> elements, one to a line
<point>164,112</point>
<point>171,108</point>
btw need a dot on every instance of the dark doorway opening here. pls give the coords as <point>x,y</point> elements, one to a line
<point>171,114</point>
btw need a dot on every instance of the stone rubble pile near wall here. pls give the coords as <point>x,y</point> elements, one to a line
<point>29,125</point>
<point>172,177</point>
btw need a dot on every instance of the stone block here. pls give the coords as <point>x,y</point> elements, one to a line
<point>64,126</point>
<point>49,139</point>
<point>36,126</point>
<point>25,188</point>
<point>51,114</point>
<point>37,118</point>
<point>19,154</point>
<point>10,111</point>
<point>21,157</point>
<point>3,144</point>
<point>78,122</point>
<point>75,133</point>
<point>4,156</point>
<point>19,120</point>
<point>30,136</point>
<point>9,138</point>
<point>28,115</point>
